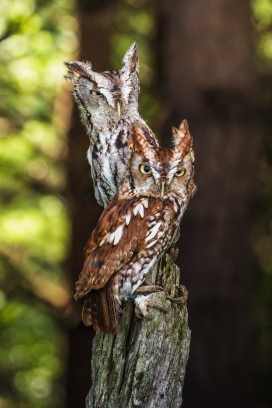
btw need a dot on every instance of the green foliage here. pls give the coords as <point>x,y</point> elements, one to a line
<point>36,37</point>
<point>262,10</point>
<point>30,355</point>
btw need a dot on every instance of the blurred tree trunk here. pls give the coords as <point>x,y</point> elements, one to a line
<point>96,26</point>
<point>209,79</point>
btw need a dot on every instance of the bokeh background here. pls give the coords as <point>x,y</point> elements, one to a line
<point>209,62</point>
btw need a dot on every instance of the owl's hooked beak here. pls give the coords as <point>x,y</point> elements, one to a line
<point>162,189</point>
<point>118,108</point>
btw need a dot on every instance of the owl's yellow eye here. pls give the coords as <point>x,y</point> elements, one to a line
<point>145,169</point>
<point>94,92</point>
<point>180,173</point>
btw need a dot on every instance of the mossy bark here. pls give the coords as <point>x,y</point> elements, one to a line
<point>144,364</point>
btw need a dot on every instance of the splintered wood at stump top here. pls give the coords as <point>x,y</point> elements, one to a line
<point>144,364</point>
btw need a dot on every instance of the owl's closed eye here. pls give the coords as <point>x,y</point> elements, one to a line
<point>113,90</point>
<point>108,105</point>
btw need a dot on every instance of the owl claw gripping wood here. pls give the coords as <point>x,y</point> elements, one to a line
<point>137,227</point>
<point>141,304</point>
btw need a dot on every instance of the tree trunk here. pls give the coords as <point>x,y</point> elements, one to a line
<point>210,80</point>
<point>144,364</point>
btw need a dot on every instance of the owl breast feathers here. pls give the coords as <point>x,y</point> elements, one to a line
<point>108,105</point>
<point>137,227</point>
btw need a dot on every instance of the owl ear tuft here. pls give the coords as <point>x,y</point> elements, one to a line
<point>131,58</point>
<point>183,141</point>
<point>77,69</point>
<point>137,142</point>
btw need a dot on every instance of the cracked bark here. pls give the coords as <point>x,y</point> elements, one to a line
<point>144,364</point>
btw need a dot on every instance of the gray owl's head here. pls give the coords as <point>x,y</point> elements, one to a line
<point>108,92</point>
<point>163,170</point>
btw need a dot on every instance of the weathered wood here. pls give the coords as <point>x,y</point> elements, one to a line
<point>144,364</point>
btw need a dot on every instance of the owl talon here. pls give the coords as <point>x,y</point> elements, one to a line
<point>141,304</point>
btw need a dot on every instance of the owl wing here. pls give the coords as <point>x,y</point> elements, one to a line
<point>124,230</point>
<point>101,308</point>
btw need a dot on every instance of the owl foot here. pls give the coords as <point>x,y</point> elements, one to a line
<point>141,304</point>
<point>182,292</point>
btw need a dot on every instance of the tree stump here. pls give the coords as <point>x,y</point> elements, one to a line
<point>144,364</point>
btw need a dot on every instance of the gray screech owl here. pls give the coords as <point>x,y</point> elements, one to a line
<point>108,105</point>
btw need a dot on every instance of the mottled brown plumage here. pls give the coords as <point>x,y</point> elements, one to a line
<point>137,227</point>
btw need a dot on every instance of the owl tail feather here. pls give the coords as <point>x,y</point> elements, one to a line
<point>102,309</point>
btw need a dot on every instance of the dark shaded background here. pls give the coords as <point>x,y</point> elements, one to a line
<point>209,62</point>
<point>204,59</point>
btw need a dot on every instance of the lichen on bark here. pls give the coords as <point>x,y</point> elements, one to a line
<point>144,364</point>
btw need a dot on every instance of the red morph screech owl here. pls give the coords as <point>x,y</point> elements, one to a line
<point>137,227</point>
